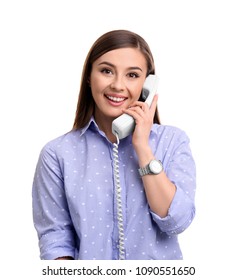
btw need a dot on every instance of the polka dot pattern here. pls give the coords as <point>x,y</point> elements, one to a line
<point>74,196</point>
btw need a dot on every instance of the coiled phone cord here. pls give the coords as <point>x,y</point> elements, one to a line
<point>118,200</point>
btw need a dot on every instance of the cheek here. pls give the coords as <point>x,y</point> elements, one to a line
<point>97,85</point>
<point>136,92</point>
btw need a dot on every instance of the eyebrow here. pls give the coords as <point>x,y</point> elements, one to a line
<point>112,65</point>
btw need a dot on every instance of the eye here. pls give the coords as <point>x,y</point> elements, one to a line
<point>106,71</point>
<point>133,75</point>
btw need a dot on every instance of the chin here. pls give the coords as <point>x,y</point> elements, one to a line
<point>114,114</point>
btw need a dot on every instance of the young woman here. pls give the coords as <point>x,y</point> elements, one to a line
<point>74,190</point>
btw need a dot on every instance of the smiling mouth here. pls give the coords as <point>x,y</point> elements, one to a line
<point>115,99</point>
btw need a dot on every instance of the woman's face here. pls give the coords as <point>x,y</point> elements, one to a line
<point>116,81</point>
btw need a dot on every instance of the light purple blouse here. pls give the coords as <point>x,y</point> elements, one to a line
<point>74,200</point>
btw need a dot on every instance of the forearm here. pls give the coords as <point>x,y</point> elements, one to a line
<point>158,188</point>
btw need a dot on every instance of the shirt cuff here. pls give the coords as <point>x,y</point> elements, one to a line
<point>180,214</point>
<point>54,245</point>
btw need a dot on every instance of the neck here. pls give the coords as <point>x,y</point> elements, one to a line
<point>105,125</point>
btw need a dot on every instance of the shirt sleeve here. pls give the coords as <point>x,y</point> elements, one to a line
<point>181,170</point>
<point>50,210</point>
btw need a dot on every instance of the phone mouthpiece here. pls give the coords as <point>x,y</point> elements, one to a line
<point>123,126</point>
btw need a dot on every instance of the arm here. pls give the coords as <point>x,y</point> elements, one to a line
<point>170,194</point>
<point>179,172</point>
<point>50,210</point>
<point>159,189</point>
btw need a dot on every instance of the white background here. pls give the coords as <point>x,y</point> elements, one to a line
<point>194,43</point>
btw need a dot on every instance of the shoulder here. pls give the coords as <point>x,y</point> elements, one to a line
<point>64,141</point>
<point>170,142</point>
<point>168,132</point>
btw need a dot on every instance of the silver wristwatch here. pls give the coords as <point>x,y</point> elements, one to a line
<point>153,167</point>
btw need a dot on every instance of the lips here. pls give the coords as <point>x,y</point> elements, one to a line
<point>115,100</point>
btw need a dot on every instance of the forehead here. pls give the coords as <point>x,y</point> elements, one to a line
<point>124,57</point>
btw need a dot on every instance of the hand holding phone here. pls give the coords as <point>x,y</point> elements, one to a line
<point>125,124</point>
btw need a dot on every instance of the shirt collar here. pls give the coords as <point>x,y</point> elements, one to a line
<point>91,125</point>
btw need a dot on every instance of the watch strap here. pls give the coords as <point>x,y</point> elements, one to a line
<point>144,170</point>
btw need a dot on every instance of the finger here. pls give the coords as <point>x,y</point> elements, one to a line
<point>135,111</point>
<point>139,104</point>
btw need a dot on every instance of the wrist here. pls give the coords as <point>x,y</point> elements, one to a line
<point>144,154</point>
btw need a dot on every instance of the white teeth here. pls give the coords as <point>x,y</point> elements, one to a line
<point>116,99</point>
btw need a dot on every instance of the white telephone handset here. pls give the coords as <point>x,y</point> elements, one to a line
<point>124,125</point>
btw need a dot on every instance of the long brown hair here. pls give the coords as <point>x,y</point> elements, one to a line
<point>112,40</point>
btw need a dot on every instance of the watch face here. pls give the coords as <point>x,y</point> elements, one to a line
<point>155,166</point>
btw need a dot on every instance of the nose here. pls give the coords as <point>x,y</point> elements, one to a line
<point>118,83</point>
